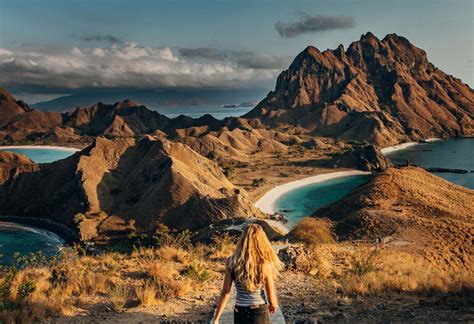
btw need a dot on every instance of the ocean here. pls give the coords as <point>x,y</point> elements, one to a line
<point>457,153</point>
<point>41,154</point>
<point>16,238</point>
<point>303,201</point>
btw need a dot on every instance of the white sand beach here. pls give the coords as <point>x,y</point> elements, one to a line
<point>403,146</point>
<point>267,203</point>
<point>38,147</point>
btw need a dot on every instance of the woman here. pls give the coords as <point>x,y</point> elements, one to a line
<point>252,267</point>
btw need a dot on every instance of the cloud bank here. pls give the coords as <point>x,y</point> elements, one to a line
<point>313,24</point>
<point>245,59</point>
<point>129,65</point>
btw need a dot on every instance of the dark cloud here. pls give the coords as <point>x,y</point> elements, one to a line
<point>128,65</point>
<point>245,59</point>
<point>313,24</point>
<point>99,38</point>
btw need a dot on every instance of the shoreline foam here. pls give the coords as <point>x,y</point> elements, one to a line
<point>38,147</point>
<point>267,202</point>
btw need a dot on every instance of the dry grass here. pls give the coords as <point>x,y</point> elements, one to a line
<point>370,271</point>
<point>404,272</point>
<point>312,231</point>
<point>75,283</point>
<point>147,294</point>
<point>119,296</point>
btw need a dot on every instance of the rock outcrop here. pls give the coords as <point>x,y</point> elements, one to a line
<point>123,186</point>
<point>380,91</point>
<point>410,206</point>
<point>365,158</point>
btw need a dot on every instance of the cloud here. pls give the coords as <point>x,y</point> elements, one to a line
<point>99,38</point>
<point>313,24</point>
<point>245,59</point>
<point>129,65</point>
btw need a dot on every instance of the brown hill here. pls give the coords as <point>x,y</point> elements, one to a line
<point>381,91</point>
<point>124,119</point>
<point>412,209</point>
<point>137,184</point>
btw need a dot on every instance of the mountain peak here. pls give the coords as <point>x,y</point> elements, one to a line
<point>380,91</point>
<point>127,103</point>
<point>368,36</point>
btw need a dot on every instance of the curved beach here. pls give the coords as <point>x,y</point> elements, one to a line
<point>403,146</point>
<point>33,147</point>
<point>267,202</point>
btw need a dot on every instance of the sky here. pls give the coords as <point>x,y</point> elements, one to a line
<point>54,47</point>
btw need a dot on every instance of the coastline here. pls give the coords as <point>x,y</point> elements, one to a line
<point>61,230</point>
<point>398,147</point>
<point>33,147</point>
<point>267,202</point>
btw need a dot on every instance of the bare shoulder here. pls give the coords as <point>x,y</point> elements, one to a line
<point>267,269</point>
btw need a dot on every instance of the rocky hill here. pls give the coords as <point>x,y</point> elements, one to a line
<point>413,209</point>
<point>18,122</point>
<point>122,186</point>
<point>381,91</point>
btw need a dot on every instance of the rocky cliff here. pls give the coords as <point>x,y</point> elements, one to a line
<point>380,91</point>
<point>123,186</point>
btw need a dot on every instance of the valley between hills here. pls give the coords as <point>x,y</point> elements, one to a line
<point>399,246</point>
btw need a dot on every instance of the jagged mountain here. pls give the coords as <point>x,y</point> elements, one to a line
<point>125,118</point>
<point>381,91</point>
<point>138,184</point>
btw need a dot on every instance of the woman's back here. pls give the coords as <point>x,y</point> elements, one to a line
<point>245,297</point>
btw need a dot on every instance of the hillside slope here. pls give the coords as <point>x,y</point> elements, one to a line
<point>138,184</point>
<point>413,207</point>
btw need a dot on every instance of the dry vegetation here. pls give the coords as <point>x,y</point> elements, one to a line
<point>73,284</point>
<point>326,277</point>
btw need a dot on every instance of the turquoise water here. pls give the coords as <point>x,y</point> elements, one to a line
<point>304,201</point>
<point>454,153</point>
<point>41,155</point>
<point>25,240</point>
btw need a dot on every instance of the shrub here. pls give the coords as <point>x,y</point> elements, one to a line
<point>119,295</point>
<point>258,182</point>
<point>224,245</point>
<point>211,155</point>
<point>146,294</point>
<point>197,271</point>
<point>312,231</point>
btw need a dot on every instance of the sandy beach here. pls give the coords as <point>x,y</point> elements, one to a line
<point>403,146</point>
<point>37,147</point>
<point>267,202</point>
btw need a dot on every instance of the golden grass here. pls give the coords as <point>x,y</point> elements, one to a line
<point>76,282</point>
<point>370,271</point>
<point>404,272</point>
<point>119,296</point>
<point>147,294</point>
<point>312,231</point>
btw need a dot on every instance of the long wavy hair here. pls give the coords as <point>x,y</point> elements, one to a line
<point>252,253</point>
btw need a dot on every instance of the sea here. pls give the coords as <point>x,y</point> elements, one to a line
<point>454,153</point>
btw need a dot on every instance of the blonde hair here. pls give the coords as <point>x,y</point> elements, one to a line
<point>252,253</point>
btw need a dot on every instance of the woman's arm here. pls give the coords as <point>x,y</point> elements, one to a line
<point>270,289</point>
<point>224,297</point>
